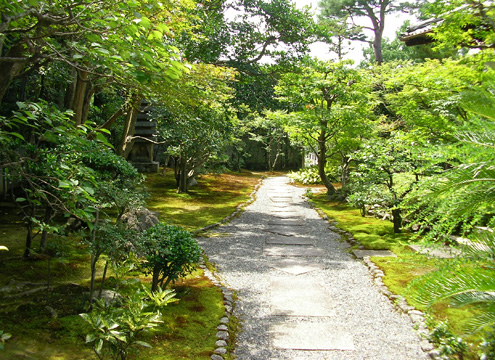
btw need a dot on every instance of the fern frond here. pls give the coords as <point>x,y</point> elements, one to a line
<point>443,285</point>
<point>481,321</point>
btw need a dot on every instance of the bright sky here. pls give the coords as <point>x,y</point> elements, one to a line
<point>320,50</point>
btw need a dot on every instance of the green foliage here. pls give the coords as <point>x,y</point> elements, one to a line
<point>468,282</point>
<point>115,330</point>
<point>461,198</point>
<point>465,23</point>
<point>371,232</point>
<point>488,345</point>
<point>306,176</point>
<point>170,251</point>
<point>4,336</point>
<point>328,100</point>
<point>449,345</point>
<point>136,49</point>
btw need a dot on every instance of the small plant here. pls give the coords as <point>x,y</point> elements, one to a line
<point>114,330</point>
<point>3,337</point>
<point>309,193</point>
<point>171,252</point>
<point>449,345</point>
<point>488,346</point>
<point>306,176</point>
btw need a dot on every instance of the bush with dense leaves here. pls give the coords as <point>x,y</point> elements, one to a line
<point>171,252</point>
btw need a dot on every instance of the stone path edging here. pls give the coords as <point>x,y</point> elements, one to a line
<point>417,317</point>
<point>223,333</point>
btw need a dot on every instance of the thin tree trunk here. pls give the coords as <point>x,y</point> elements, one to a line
<point>94,259</point>
<point>183,185</point>
<point>79,96</point>
<point>103,279</point>
<point>129,127</point>
<point>44,234</point>
<point>322,162</point>
<point>29,235</point>
<point>156,279</point>
<point>397,219</point>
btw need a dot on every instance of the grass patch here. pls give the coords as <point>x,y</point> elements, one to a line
<point>214,198</point>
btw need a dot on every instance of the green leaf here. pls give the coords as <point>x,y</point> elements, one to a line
<point>90,337</point>
<point>20,199</point>
<point>144,344</point>
<point>99,346</point>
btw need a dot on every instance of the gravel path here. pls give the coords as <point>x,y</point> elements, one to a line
<point>358,309</point>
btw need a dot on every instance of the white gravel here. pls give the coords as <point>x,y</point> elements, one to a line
<point>378,331</point>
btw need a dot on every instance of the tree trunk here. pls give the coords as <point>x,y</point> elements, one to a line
<point>129,127</point>
<point>103,280</point>
<point>29,235</point>
<point>377,47</point>
<point>79,96</point>
<point>156,279</point>
<point>183,183</point>
<point>397,219</point>
<point>322,162</point>
<point>88,96</point>
<point>44,234</point>
<point>10,69</point>
<point>346,161</point>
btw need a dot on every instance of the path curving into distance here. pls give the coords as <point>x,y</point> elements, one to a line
<point>300,294</point>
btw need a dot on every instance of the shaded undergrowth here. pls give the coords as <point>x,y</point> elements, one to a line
<point>40,298</point>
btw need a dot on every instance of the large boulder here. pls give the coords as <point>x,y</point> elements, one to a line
<point>140,219</point>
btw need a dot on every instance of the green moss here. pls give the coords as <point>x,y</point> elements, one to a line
<point>212,200</point>
<point>189,327</point>
<point>371,232</point>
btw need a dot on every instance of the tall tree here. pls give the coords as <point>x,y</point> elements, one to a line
<point>345,12</point>
<point>326,97</point>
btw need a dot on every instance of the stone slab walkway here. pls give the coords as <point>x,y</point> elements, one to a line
<point>300,294</point>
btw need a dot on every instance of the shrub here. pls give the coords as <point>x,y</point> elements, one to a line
<point>171,252</point>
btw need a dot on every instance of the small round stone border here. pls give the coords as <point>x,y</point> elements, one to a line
<point>417,317</point>
<point>223,333</point>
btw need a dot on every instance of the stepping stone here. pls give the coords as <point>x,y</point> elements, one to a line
<point>288,240</point>
<point>293,250</point>
<point>283,214</point>
<point>310,336</point>
<point>381,253</point>
<point>282,209</point>
<point>295,266</point>
<point>286,200</point>
<point>279,205</point>
<point>290,222</point>
<point>444,252</point>
<point>296,296</point>
<point>285,230</point>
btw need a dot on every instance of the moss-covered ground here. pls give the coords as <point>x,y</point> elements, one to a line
<point>399,271</point>
<point>44,320</point>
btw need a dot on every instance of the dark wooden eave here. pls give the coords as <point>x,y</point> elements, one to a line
<point>420,34</point>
